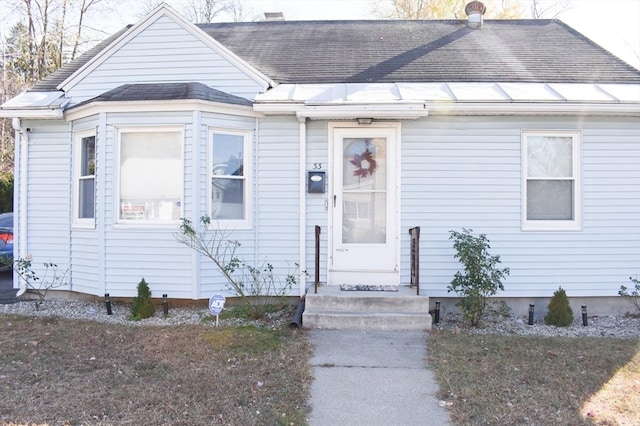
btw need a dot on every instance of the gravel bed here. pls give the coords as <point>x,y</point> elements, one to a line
<point>120,313</point>
<point>624,327</point>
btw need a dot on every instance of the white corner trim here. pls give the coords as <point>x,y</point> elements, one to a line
<point>164,10</point>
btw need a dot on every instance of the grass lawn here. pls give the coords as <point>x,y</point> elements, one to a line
<point>525,380</point>
<point>57,371</point>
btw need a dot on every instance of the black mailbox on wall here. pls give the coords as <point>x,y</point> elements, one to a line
<point>316,182</point>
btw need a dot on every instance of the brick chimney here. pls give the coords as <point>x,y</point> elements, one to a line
<point>474,11</point>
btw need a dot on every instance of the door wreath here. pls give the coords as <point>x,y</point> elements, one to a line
<point>365,164</point>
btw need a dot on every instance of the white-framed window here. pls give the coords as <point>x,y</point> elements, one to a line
<point>150,175</point>
<point>229,165</point>
<point>85,181</point>
<point>551,182</point>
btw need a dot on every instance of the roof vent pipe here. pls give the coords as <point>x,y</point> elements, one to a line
<point>474,11</point>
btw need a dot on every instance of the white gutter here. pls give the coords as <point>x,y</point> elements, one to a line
<point>42,113</point>
<point>22,137</point>
<point>303,207</point>
<point>533,108</point>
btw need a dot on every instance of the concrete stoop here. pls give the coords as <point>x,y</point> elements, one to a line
<point>334,309</point>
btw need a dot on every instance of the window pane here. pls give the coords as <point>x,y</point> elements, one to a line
<point>549,156</point>
<point>364,218</point>
<point>228,177</point>
<point>86,199</point>
<point>227,198</point>
<point>550,200</point>
<point>228,154</point>
<point>88,160</point>
<point>150,176</point>
<point>364,164</point>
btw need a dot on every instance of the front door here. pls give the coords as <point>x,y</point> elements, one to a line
<point>365,234</point>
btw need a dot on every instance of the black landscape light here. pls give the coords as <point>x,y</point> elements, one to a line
<point>531,309</point>
<point>107,302</point>
<point>165,305</point>
<point>584,315</point>
<point>436,320</point>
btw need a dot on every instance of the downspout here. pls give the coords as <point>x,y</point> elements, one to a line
<point>22,137</point>
<point>303,205</point>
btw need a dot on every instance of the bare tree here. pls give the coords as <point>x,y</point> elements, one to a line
<point>444,9</point>
<point>548,9</point>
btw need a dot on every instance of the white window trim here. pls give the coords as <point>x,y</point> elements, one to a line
<point>554,225</point>
<point>78,222</point>
<point>247,170</point>
<point>116,178</point>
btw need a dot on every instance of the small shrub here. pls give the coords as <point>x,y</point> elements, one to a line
<point>559,312</point>
<point>632,296</point>
<point>52,278</point>
<point>481,279</point>
<point>142,306</point>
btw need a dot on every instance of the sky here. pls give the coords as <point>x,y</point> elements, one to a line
<point>613,24</point>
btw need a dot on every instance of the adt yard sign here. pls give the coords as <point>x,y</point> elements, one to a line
<point>216,304</point>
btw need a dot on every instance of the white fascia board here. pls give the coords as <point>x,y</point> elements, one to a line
<point>345,111</point>
<point>534,108</point>
<point>94,108</point>
<point>43,113</point>
<point>165,10</point>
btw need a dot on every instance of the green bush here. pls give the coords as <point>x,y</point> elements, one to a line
<point>6,193</point>
<point>143,306</point>
<point>559,312</point>
<point>632,295</point>
<point>481,278</point>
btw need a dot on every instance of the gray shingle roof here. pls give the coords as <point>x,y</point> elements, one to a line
<point>541,51</point>
<point>167,92</point>
<point>532,51</point>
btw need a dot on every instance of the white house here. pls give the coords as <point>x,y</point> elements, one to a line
<point>523,130</point>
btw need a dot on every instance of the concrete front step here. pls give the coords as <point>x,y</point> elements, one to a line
<point>331,308</point>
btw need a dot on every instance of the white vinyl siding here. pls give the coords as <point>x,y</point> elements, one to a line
<point>48,192</point>
<point>467,172</point>
<point>165,52</point>
<point>551,180</point>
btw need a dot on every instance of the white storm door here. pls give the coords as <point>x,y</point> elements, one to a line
<point>365,207</point>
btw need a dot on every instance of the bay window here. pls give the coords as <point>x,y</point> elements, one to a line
<point>229,169</point>
<point>85,167</point>
<point>151,175</point>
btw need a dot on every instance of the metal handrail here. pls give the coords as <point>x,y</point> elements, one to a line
<point>415,258</point>
<point>317,258</point>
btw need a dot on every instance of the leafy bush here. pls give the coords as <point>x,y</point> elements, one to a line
<point>481,279</point>
<point>559,312</point>
<point>632,296</point>
<point>143,306</point>
<point>255,285</point>
<point>52,278</point>
<point>6,192</point>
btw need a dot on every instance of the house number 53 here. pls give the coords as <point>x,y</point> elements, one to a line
<point>317,166</point>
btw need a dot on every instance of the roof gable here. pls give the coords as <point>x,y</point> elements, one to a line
<point>80,69</point>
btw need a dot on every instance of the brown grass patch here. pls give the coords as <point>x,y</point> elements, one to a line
<point>57,371</point>
<point>522,380</point>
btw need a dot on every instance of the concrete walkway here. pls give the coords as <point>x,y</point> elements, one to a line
<point>372,378</point>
